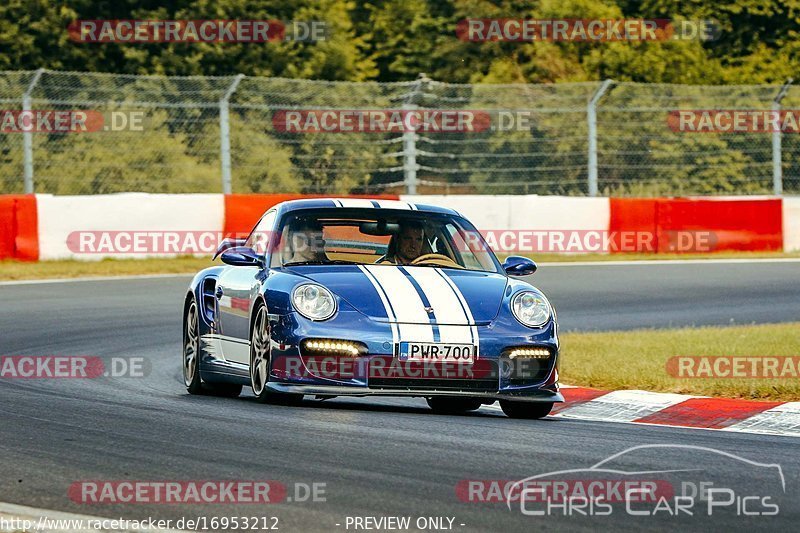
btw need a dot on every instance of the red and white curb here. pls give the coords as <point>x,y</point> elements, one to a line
<point>678,410</point>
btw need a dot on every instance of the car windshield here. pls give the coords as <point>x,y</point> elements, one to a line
<point>370,236</point>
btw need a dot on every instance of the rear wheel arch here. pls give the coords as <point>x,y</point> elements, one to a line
<point>198,385</point>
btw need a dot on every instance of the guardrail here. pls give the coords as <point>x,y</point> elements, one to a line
<point>42,227</point>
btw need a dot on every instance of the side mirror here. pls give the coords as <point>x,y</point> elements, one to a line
<point>241,256</point>
<point>516,265</point>
<point>227,244</point>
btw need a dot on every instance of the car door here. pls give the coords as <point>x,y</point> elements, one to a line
<point>237,288</point>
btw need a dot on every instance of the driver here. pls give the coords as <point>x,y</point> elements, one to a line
<point>306,242</point>
<point>409,243</point>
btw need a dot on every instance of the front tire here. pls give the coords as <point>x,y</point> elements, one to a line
<point>444,405</point>
<point>526,410</point>
<point>260,358</point>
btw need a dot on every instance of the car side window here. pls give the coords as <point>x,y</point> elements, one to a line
<point>464,252</point>
<point>261,236</point>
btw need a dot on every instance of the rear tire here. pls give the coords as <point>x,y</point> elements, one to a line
<point>260,359</point>
<point>191,350</point>
<point>192,354</point>
<point>526,410</point>
<point>444,405</point>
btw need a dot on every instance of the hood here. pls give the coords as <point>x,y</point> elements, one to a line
<point>413,295</point>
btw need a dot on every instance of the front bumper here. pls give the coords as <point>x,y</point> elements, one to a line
<point>333,390</point>
<point>291,370</point>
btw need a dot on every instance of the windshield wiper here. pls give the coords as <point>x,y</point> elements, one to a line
<point>328,262</point>
<point>434,265</point>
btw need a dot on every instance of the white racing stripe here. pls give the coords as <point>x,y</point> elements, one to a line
<point>450,315</point>
<point>408,308</point>
<point>383,296</point>
<point>393,204</point>
<point>355,202</point>
<point>465,305</point>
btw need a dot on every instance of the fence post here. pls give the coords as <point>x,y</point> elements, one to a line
<point>27,137</point>
<point>410,140</point>
<point>591,116</point>
<point>225,135</point>
<point>410,159</point>
<point>777,168</point>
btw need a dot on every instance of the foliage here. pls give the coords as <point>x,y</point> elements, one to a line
<point>395,41</point>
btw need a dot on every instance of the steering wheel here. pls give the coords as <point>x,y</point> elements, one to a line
<point>436,259</point>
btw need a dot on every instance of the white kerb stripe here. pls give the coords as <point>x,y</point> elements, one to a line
<point>624,405</point>
<point>450,316</point>
<point>782,419</point>
<point>408,307</point>
<point>386,306</point>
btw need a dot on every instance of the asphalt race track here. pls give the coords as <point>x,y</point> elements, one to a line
<point>376,457</point>
<point>604,297</point>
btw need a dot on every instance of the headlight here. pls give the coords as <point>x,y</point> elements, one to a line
<point>314,301</point>
<point>531,308</point>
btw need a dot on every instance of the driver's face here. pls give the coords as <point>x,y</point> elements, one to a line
<point>410,245</point>
<point>307,243</point>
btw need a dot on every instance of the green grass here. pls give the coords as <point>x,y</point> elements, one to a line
<point>637,359</point>
<point>18,270</point>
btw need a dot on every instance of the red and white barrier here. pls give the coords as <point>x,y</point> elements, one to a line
<point>723,223</point>
<point>791,223</point>
<point>71,227</point>
<point>19,236</point>
<point>529,212</point>
<point>51,227</point>
<point>242,211</point>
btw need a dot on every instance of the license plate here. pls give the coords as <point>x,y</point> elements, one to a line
<point>432,352</point>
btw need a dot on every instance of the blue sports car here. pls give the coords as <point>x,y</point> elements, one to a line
<point>358,297</point>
